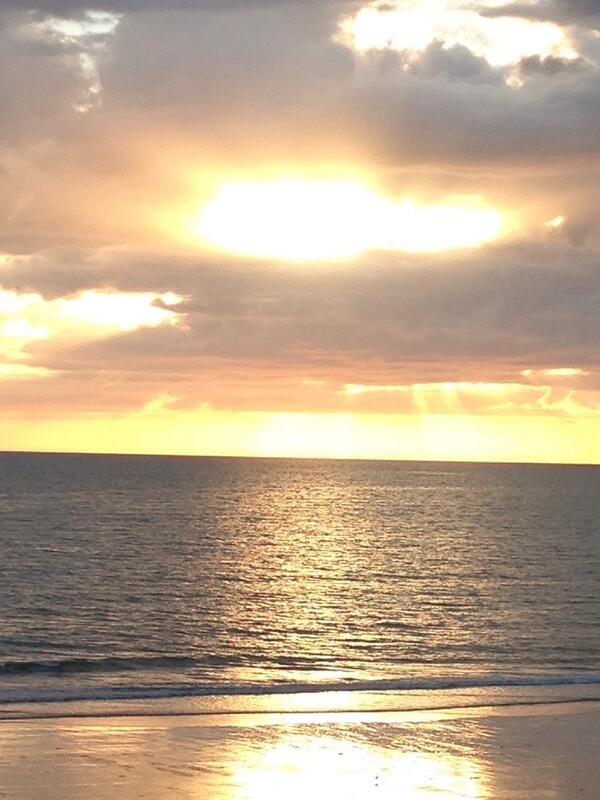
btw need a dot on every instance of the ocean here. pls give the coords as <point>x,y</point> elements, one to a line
<point>211,584</point>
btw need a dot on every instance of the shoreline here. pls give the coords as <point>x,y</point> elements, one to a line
<point>351,700</point>
<point>281,717</point>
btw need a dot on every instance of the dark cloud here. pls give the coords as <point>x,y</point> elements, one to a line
<point>549,66</point>
<point>522,10</point>
<point>577,9</point>
<point>274,81</point>
<point>70,7</point>
<point>562,11</point>
<point>457,63</point>
<point>423,119</point>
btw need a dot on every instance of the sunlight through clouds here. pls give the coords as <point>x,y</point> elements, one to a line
<point>304,220</point>
<point>411,26</point>
<point>83,38</point>
<point>540,396</point>
<point>27,318</point>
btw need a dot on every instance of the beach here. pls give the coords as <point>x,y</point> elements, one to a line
<point>526,752</point>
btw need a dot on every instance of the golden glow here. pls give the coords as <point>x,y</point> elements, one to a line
<point>124,311</point>
<point>411,26</point>
<point>555,222</point>
<point>296,433</point>
<point>537,396</point>
<point>565,372</point>
<point>427,436</point>
<point>26,318</point>
<point>20,371</point>
<point>305,220</point>
<point>322,766</point>
<point>352,389</point>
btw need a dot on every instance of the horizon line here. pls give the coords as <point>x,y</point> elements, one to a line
<point>301,458</point>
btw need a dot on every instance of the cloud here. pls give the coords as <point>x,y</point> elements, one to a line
<point>473,398</point>
<point>182,93</point>
<point>95,188</point>
<point>70,7</point>
<point>27,319</point>
<point>411,27</point>
<point>549,66</point>
<point>75,8</point>
<point>456,62</point>
<point>421,319</point>
<point>563,11</point>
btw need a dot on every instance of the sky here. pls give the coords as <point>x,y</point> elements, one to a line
<point>301,228</point>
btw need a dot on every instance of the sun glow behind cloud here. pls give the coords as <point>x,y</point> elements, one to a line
<point>83,39</point>
<point>411,26</point>
<point>549,392</point>
<point>27,318</point>
<point>306,220</point>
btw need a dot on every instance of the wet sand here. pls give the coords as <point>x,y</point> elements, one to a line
<point>538,752</point>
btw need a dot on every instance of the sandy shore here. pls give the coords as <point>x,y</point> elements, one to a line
<point>542,752</point>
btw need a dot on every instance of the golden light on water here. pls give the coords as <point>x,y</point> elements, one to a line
<point>306,220</point>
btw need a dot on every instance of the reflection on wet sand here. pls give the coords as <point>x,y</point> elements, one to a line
<point>515,753</point>
<point>300,766</point>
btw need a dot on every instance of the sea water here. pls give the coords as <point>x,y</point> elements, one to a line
<point>130,578</point>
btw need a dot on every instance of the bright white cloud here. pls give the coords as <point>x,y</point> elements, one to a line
<point>412,25</point>
<point>28,317</point>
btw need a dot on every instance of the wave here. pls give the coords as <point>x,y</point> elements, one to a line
<point>109,664</point>
<point>73,665</point>
<point>18,696</point>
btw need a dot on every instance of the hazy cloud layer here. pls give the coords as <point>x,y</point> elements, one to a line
<point>261,329</point>
<point>69,7</point>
